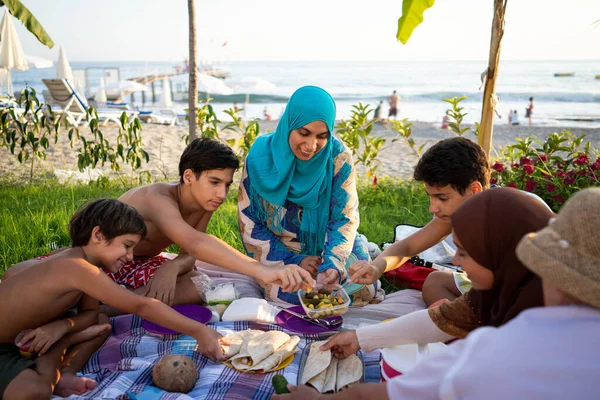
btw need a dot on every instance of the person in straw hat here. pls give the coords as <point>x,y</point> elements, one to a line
<point>546,352</point>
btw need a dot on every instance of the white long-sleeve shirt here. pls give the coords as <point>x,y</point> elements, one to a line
<point>544,353</point>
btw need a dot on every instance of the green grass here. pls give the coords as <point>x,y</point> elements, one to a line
<point>35,215</point>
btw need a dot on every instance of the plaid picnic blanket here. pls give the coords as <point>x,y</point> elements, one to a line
<point>123,365</point>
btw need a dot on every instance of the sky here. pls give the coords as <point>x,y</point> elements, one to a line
<point>266,30</point>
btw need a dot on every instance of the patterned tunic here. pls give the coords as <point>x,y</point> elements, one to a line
<point>270,247</point>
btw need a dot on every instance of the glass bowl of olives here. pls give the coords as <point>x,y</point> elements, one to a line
<point>324,302</point>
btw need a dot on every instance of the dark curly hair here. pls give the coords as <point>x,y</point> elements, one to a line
<point>112,216</point>
<point>204,154</point>
<point>457,162</point>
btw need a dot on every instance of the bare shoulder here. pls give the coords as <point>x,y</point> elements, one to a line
<point>150,198</point>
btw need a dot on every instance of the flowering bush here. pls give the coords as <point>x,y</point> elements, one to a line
<point>555,170</point>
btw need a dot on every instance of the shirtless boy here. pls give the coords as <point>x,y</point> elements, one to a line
<point>178,213</point>
<point>103,234</point>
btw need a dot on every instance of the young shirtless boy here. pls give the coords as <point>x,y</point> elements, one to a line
<point>178,213</point>
<point>452,170</point>
<point>104,234</point>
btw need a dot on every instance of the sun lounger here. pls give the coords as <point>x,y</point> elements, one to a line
<point>73,106</point>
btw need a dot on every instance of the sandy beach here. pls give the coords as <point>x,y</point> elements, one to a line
<point>165,145</point>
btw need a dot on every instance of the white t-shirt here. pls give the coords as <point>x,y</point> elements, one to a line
<point>544,353</point>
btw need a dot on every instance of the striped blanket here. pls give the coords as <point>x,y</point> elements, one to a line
<point>123,365</point>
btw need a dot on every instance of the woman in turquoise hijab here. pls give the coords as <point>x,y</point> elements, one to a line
<point>297,201</point>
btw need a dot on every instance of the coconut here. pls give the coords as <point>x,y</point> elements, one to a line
<point>175,373</point>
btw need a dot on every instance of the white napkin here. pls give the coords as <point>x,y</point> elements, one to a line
<point>250,309</point>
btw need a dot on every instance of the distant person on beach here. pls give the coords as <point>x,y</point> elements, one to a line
<point>446,120</point>
<point>394,100</point>
<point>267,114</point>
<point>510,117</point>
<point>515,118</point>
<point>378,114</point>
<point>297,201</point>
<point>529,111</point>
<point>51,306</point>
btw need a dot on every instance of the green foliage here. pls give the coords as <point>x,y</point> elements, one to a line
<point>208,123</point>
<point>412,16</point>
<point>356,134</point>
<point>553,169</point>
<point>27,130</point>
<point>404,130</point>
<point>19,11</point>
<point>97,149</point>
<point>248,133</point>
<point>456,114</point>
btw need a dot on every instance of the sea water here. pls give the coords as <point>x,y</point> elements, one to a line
<point>421,85</point>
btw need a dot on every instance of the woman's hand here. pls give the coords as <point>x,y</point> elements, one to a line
<point>328,277</point>
<point>363,272</point>
<point>311,264</point>
<point>342,344</point>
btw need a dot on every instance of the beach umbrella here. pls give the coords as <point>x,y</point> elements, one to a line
<point>100,96</point>
<point>11,51</point>
<point>210,84</point>
<point>127,86</point>
<point>165,100</point>
<point>38,62</point>
<point>63,68</point>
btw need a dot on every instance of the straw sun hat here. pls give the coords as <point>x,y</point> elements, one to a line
<point>567,251</point>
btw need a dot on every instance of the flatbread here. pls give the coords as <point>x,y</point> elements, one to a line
<point>243,353</point>
<point>235,341</point>
<point>316,362</point>
<point>318,381</point>
<point>262,346</point>
<point>349,371</point>
<point>331,376</point>
<point>274,360</point>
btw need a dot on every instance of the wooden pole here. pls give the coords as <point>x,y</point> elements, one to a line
<point>489,94</point>
<point>193,81</point>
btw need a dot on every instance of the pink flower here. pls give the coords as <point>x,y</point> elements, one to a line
<point>515,166</point>
<point>512,185</point>
<point>493,181</point>
<point>526,161</point>
<point>596,165</point>
<point>560,174</point>
<point>528,169</point>
<point>559,198</point>
<point>569,180</point>
<point>581,159</point>
<point>529,185</point>
<point>550,187</point>
<point>541,158</point>
<point>559,164</point>
<point>498,166</point>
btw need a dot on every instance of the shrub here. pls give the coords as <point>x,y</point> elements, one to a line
<point>557,168</point>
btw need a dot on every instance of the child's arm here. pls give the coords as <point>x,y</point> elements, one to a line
<point>46,335</point>
<point>92,281</point>
<point>210,249</point>
<point>398,253</point>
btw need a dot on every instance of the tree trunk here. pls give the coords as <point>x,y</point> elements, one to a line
<point>489,94</point>
<point>193,81</point>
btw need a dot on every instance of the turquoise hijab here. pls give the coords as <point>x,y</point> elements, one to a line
<point>276,175</point>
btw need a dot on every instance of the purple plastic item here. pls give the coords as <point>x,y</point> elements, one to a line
<point>192,311</point>
<point>295,324</point>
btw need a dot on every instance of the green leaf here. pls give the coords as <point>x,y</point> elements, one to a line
<point>19,11</point>
<point>412,16</point>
